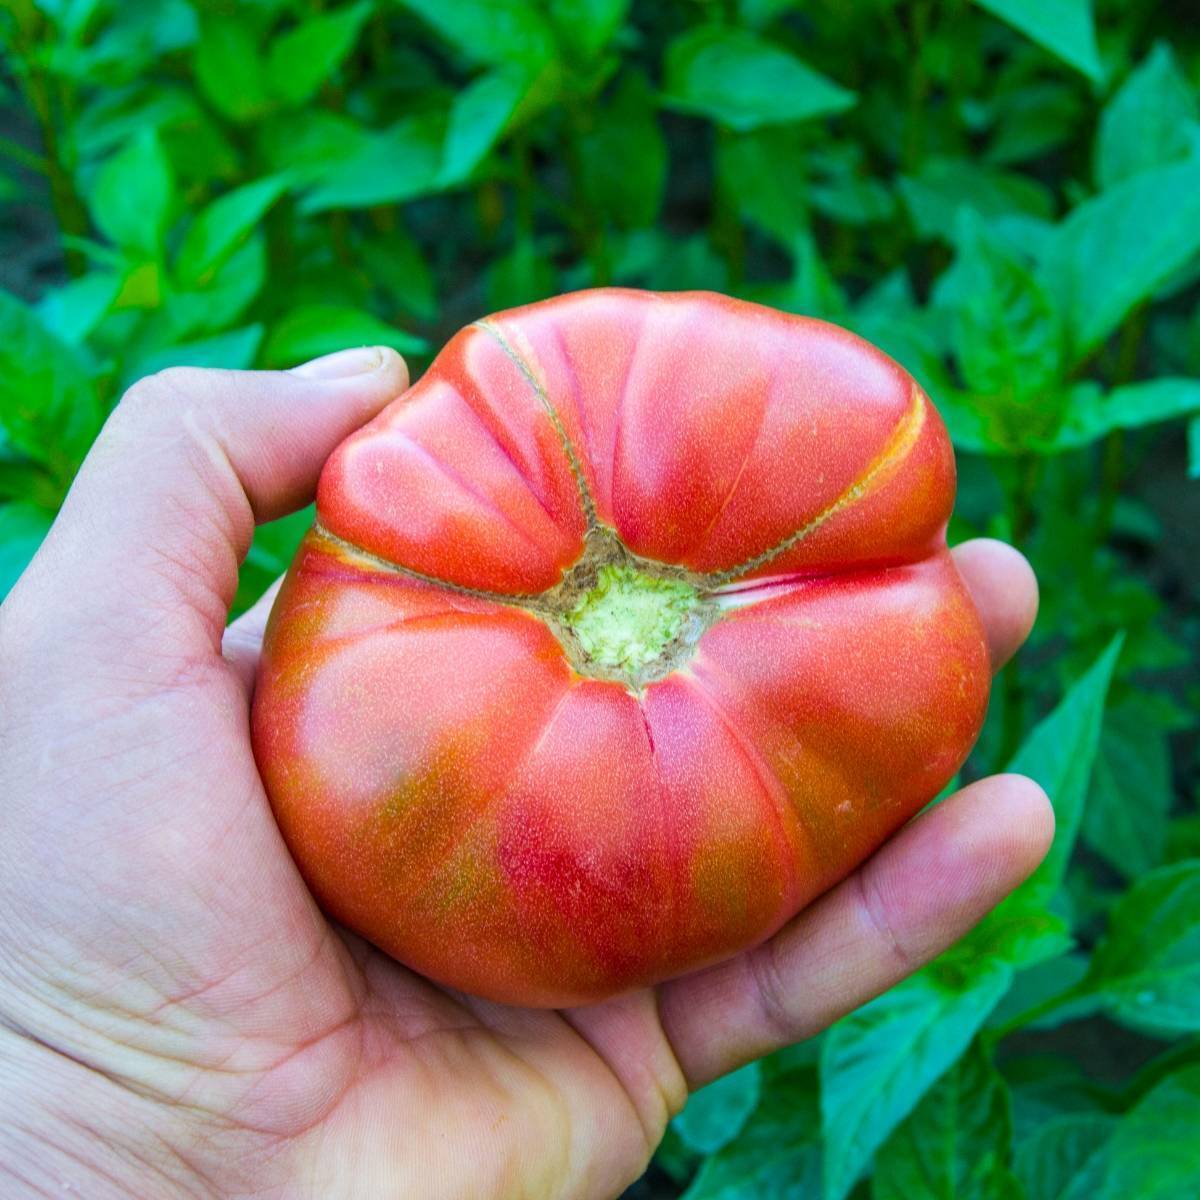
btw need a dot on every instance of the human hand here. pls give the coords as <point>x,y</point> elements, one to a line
<point>177,1018</point>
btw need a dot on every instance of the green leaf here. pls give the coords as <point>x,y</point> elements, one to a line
<point>1064,27</point>
<point>812,289</point>
<point>222,226</point>
<point>492,32</point>
<point>1153,1155</point>
<point>777,1155</point>
<point>1066,1157</point>
<point>1007,336</point>
<point>1146,123</point>
<point>842,187</point>
<point>223,298</point>
<point>480,115</point>
<point>1193,435</point>
<point>112,119</point>
<point>1116,249</point>
<point>943,186</point>
<point>396,264</point>
<point>233,351</point>
<point>303,58</point>
<point>318,329</point>
<point>398,164</point>
<point>761,175</point>
<point>1027,1005</point>
<point>586,26</point>
<point>73,310</point>
<point>22,528</point>
<point>956,1142</point>
<point>1126,817</point>
<point>230,69</point>
<point>48,406</point>
<point>716,1114</point>
<point>522,276</point>
<point>625,131</point>
<point>1046,1087</point>
<point>1147,969</point>
<point>1032,119</point>
<point>306,145</point>
<point>1059,755</point>
<point>877,1063</point>
<point>132,196</point>
<point>740,80</point>
<point>1090,413</point>
<point>760,13</point>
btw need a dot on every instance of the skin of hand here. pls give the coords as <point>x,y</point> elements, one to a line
<point>178,1019</point>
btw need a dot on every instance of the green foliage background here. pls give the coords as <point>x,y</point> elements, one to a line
<point>1004,194</point>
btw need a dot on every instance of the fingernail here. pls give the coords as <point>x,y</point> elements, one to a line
<point>342,363</point>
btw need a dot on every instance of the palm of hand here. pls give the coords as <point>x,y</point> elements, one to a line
<point>164,958</point>
<point>302,1052</point>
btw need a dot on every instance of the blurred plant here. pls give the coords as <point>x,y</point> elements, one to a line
<point>1004,195</point>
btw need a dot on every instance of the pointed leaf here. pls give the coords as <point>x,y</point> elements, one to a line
<point>743,81</point>
<point>1064,27</point>
<point>778,1154</point>
<point>1147,969</point>
<point>479,116</point>
<point>1145,123</point>
<point>1059,754</point>
<point>398,164</point>
<point>716,1114</point>
<point>626,130</point>
<point>221,227</point>
<point>131,198</point>
<point>1091,414</point>
<point>1153,1155</point>
<point>318,329</point>
<point>1126,817</point>
<point>587,26</point>
<point>496,32</point>
<point>955,1144</point>
<point>1066,1157</point>
<point>303,58</point>
<point>877,1063</point>
<point>48,405</point>
<point>230,69</point>
<point>1118,248</point>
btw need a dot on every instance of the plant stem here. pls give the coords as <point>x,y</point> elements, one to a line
<point>523,185</point>
<point>586,224</point>
<point>68,208</point>
<point>1036,1011</point>
<point>1021,489</point>
<point>1112,462</point>
<point>728,235</point>
<point>918,87</point>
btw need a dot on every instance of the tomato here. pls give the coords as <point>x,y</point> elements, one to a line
<point>624,633</point>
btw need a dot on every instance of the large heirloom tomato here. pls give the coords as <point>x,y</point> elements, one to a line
<point>620,636</point>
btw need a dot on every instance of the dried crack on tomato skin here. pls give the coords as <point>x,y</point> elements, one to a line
<point>623,618</point>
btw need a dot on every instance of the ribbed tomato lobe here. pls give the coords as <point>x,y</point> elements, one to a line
<point>625,632</point>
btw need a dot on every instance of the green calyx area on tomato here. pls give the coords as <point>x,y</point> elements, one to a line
<point>625,619</point>
<point>624,633</point>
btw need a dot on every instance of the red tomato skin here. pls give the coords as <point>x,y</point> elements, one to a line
<point>453,789</point>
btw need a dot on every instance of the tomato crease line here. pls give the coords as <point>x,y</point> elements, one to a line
<point>585,495</point>
<point>898,446</point>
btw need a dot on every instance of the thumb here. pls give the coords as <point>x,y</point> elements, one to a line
<point>144,555</point>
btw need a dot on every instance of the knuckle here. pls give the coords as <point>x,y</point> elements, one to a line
<point>875,912</point>
<point>165,392</point>
<point>779,1011</point>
